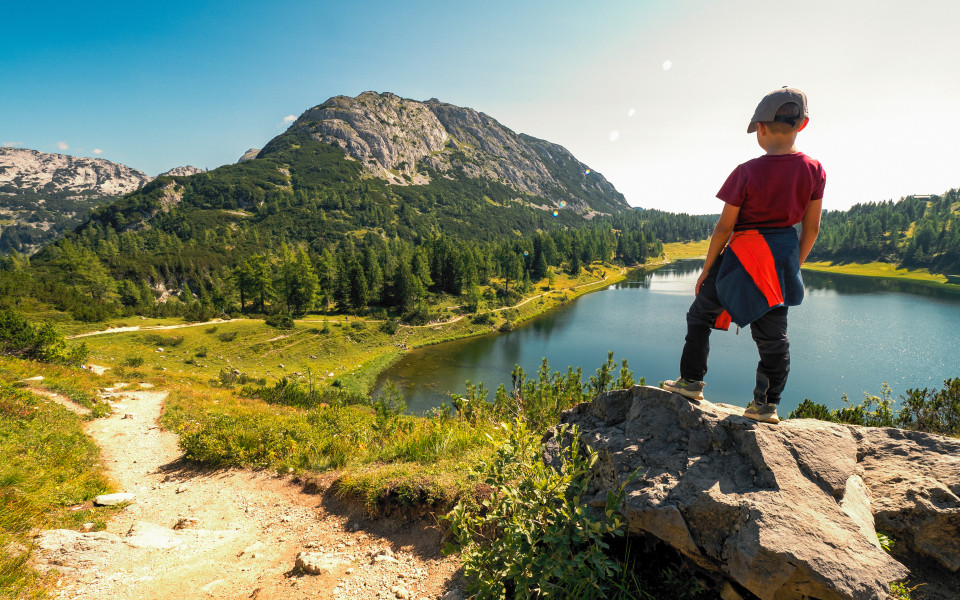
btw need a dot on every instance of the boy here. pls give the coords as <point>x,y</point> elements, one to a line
<point>757,276</point>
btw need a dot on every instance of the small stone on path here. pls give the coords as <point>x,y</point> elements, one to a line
<point>113,499</point>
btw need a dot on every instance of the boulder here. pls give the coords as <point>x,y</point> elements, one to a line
<point>785,511</point>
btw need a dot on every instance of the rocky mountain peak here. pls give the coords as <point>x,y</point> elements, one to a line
<point>23,170</point>
<point>410,142</point>
<point>184,171</point>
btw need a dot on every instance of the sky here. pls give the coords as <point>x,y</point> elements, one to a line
<point>654,95</point>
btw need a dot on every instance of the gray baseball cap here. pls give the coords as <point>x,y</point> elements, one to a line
<point>767,109</point>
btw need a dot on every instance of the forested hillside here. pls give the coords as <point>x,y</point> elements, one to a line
<point>914,232</point>
<point>302,227</point>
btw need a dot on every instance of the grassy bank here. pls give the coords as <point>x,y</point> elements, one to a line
<point>49,469</point>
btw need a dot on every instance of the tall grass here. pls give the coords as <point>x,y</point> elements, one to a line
<point>47,464</point>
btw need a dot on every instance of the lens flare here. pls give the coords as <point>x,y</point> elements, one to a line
<point>631,112</point>
<point>563,204</point>
<point>556,214</point>
<point>614,135</point>
<point>667,64</point>
<point>587,172</point>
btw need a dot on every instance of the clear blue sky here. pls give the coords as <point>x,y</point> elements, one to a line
<point>654,95</point>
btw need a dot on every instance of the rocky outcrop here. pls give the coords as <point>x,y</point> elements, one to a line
<point>249,155</point>
<point>408,142</point>
<point>23,170</point>
<point>785,511</point>
<point>185,171</point>
<point>42,195</point>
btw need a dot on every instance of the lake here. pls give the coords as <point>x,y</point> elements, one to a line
<point>849,335</point>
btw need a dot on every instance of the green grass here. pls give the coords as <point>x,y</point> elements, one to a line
<point>47,465</point>
<point>877,269</point>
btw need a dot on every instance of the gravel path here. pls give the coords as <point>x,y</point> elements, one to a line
<point>236,533</point>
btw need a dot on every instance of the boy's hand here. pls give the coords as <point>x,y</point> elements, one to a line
<point>696,289</point>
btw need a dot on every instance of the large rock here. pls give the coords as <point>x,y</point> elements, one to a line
<point>786,510</point>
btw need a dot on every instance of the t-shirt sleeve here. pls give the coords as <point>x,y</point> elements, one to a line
<point>734,188</point>
<point>821,183</point>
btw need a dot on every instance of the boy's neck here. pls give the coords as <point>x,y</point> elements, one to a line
<point>788,147</point>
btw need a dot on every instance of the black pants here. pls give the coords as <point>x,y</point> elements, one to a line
<point>769,332</point>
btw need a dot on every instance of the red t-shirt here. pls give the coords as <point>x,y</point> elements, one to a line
<point>774,189</point>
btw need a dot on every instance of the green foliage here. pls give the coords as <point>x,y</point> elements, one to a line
<point>227,336</point>
<point>280,321</point>
<point>912,232</point>
<point>161,341</point>
<point>133,361</point>
<point>533,537</point>
<point>931,411</point>
<point>389,327</point>
<point>47,464</point>
<point>886,542</point>
<point>18,337</point>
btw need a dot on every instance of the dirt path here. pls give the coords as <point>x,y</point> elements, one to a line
<point>148,328</point>
<point>192,533</point>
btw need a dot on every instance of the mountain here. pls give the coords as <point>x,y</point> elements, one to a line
<point>42,195</point>
<point>182,171</point>
<point>406,142</point>
<point>371,202</point>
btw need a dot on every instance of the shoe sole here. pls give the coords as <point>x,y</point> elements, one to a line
<point>685,393</point>
<point>761,418</point>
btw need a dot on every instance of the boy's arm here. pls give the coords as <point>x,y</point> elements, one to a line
<point>810,227</point>
<point>721,235</point>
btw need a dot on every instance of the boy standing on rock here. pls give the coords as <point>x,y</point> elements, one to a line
<point>752,270</point>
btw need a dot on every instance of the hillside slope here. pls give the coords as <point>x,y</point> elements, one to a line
<point>42,195</point>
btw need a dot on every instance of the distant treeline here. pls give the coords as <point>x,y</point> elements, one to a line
<point>914,232</point>
<point>303,229</point>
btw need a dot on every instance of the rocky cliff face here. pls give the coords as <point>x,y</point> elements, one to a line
<point>23,170</point>
<point>788,511</point>
<point>410,142</point>
<point>42,195</point>
<point>182,171</point>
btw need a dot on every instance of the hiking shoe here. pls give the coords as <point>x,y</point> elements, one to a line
<point>765,413</point>
<point>688,388</point>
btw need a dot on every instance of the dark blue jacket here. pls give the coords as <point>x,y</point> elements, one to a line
<point>760,270</point>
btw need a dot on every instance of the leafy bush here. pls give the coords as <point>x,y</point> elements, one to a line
<point>505,327</point>
<point>533,537</point>
<point>482,319</point>
<point>931,411</point>
<point>133,361</point>
<point>389,327</point>
<point>162,341</point>
<point>18,337</point>
<point>227,336</point>
<point>280,321</point>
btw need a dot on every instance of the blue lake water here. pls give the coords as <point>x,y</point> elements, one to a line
<point>849,335</point>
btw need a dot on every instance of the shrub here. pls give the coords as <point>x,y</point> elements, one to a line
<point>133,361</point>
<point>533,537</point>
<point>18,337</point>
<point>280,321</point>
<point>201,352</point>
<point>227,336</point>
<point>505,327</point>
<point>389,327</point>
<point>482,319</point>
<point>168,341</point>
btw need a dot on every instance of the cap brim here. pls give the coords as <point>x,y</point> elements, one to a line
<point>752,127</point>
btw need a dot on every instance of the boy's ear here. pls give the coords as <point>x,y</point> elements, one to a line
<point>804,124</point>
